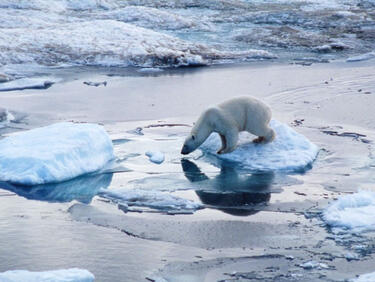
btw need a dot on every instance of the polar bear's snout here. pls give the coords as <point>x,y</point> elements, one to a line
<point>191,143</point>
<point>185,150</point>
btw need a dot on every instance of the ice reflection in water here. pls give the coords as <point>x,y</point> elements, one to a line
<point>82,189</point>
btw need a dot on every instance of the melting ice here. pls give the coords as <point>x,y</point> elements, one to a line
<point>54,153</point>
<point>62,275</point>
<point>290,151</point>
<point>355,212</point>
<point>150,198</point>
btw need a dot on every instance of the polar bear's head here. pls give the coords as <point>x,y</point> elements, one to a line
<point>191,144</point>
<point>197,136</point>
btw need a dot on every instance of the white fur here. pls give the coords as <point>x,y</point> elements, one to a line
<point>228,119</point>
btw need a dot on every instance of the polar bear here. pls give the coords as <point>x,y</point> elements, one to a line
<point>228,119</point>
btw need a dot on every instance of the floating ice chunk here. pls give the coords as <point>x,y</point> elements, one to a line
<point>352,256</point>
<point>96,84</point>
<point>355,211</point>
<point>314,264</point>
<point>289,151</point>
<point>368,277</point>
<point>28,83</point>
<point>5,117</point>
<point>149,198</point>
<point>62,275</point>
<point>54,153</point>
<point>150,70</point>
<point>363,57</point>
<point>155,156</point>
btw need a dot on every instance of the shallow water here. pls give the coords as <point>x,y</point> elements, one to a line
<point>110,243</point>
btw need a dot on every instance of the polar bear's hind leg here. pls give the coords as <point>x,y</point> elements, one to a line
<point>223,144</point>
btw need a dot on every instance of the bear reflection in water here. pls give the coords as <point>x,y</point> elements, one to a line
<point>230,192</point>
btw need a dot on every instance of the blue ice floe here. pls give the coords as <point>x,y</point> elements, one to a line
<point>54,153</point>
<point>62,275</point>
<point>290,151</point>
<point>353,212</point>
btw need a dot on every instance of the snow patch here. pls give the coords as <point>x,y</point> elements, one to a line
<point>149,198</point>
<point>62,275</point>
<point>54,153</point>
<point>355,211</point>
<point>155,156</point>
<point>289,151</point>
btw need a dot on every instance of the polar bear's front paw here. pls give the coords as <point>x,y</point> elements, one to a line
<point>260,139</point>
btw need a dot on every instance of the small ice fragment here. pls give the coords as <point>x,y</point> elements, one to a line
<point>155,156</point>
<point>5,117</point>
<point>28,83</point>
<point>96,84</point>
<point>351,256</point>
<point>309,265</point>
<point>137,131</point>
<point>150,70</point>
<point>314,264</point>
<point>62,275</point>
<point>4,78</point>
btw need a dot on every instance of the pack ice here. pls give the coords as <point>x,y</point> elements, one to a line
<point>54,153</point>
<point>289,151</point>
<point>62,275</point>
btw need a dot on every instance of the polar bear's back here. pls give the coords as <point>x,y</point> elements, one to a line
<point>249,113</point>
